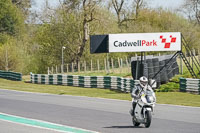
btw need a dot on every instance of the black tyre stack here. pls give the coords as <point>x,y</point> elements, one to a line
<point>152,66</point>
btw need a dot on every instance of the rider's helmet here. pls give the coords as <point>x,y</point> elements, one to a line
<point>143,81</point>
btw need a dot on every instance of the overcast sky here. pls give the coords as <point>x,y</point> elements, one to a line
<point>166,4</point>
<point>169,4</point>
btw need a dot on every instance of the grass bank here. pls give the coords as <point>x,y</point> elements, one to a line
<point>176,98</point>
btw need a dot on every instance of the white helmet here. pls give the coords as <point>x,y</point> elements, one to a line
<point>143,81</point>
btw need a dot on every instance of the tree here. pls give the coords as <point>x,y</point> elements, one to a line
<point>87,10</point>
<point>126,15</point>
<point>137,5</point>
<point>23,5</point>
<point>192,9</point>
<point>11,21</point>
<point>118,9</point>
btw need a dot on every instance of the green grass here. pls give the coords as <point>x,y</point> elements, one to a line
<point>176,98</point>
<point>62,90</point>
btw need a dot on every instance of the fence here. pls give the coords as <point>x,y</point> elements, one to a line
<point>190,85</point>
<point>11,75</point>
<point>105,82</point>
<point>108,65</point>
<point>119,65</point>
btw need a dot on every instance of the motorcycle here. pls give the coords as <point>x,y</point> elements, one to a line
<point>144,109</point>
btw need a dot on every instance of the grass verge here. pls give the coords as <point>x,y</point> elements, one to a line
<point>176,98</point>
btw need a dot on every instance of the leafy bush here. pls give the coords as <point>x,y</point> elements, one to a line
<point>169,87</point>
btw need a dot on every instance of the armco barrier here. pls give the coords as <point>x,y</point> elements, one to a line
<point>11,75</point>
<point>106,82</point>
<point>190,85</point>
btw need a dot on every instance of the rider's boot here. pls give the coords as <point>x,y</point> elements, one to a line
<point>131,112</point>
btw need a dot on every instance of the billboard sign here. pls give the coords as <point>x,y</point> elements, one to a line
<point>144,42</point>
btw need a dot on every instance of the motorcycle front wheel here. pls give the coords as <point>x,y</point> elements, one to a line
<point>148,116</point>
<point>136,124</point>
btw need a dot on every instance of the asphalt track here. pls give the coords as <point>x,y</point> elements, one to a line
<point>95,114</point>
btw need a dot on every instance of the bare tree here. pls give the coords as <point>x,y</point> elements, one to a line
<point>192,9</point>
<point>124,15</point>
<point>118,9</point>
<point>87,8</point>
<point>138,4</point>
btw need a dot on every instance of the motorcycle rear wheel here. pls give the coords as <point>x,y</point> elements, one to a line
<point>136,124</point>
<point>148,119</point>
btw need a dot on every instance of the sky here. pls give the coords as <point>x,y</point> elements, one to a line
<point>166,4</point>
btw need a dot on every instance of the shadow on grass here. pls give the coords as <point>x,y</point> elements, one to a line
<point>117,91</point>
<point>62,93</point>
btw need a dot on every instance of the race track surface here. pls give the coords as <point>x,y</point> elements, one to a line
<point>95,114</point>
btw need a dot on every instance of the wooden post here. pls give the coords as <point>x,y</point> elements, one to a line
<point>105,65</point>
<point>127,64</point>
<point>52,70</point>
<point>198,55</point>
<point>91,66</point>
<point>119,63</point>
<point>112,65</point>
<point>79,66</point>
<point>72,67</point>
<point>6,63</point>
<point>98,65</point>
<point>57,69</point>
<point>136,75</point>
<point>67,68</point>
<point>108,64</point>
<point>194,53</point>
<point>181,64</point>
<point>48,71</point>
<point>121,60</point>
<point>85,66</point>
<point>192,60</point>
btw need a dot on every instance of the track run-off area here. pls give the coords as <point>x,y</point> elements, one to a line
<point>24,112</point>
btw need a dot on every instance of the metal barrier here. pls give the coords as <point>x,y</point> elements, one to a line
<point>190,85</point>
<point>106,82</point>
<point>11,75</point>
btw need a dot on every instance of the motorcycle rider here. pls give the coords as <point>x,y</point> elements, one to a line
<point>143,84</point>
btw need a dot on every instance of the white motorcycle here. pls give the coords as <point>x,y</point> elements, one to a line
<point>144,109</point>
